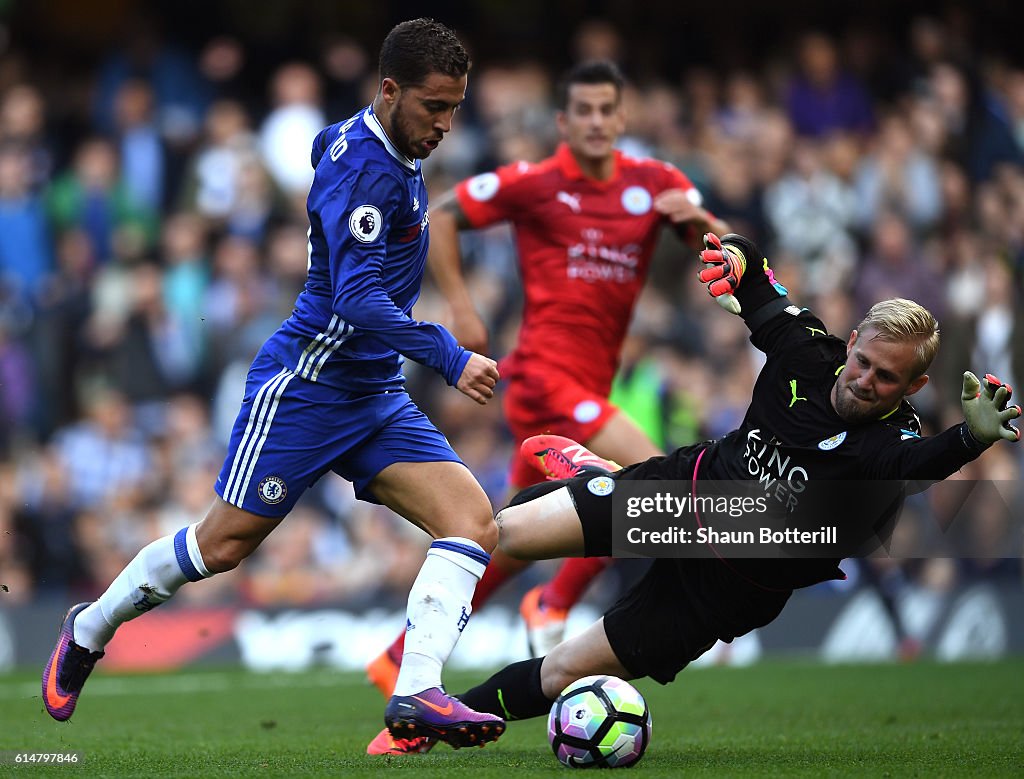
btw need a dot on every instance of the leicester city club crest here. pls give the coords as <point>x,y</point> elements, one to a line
<point>636,200</point>
<point>833,442</point>
<point>601,486</point>
<point>483,187</point>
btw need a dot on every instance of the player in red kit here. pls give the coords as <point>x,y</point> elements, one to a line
<point>586,222</point>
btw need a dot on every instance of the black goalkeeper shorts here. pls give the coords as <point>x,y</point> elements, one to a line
<point>677,611</point>
<point>680,607</point>
<point>594,504</point>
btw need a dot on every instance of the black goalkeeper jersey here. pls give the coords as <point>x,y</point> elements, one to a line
<point>792,438</point>
<point>792,435</point>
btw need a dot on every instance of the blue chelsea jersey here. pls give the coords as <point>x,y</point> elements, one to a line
<point>368,241</point>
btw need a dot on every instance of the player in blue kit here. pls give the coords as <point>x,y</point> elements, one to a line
<point>326,393</point>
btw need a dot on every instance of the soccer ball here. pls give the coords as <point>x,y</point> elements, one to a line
<point>599,722</point>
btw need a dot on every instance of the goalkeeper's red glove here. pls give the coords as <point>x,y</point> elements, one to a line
<point>724,268</point>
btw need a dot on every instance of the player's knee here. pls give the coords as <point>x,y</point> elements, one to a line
<point>512,536</point>
<point>225,555</point>
<point>477,525</point>
<point>227,535</point>
<point>487,534</point>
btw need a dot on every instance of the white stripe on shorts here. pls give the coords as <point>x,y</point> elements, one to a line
<point>255,435</point>
<point>262,437</point>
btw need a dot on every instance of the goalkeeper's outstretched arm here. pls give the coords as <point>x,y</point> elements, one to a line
<point>738,276</point>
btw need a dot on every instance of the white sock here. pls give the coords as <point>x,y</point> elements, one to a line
<point>151,578</point>
<point>438,610</point>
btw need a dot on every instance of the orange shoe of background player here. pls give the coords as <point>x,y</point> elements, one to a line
<point>386,744</point>
<point>382,672</point>
<point>558,457</point>
<point>545,626</point>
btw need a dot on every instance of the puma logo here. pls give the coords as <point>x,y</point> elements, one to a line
<point>792,389</point>
<point>573,201</point>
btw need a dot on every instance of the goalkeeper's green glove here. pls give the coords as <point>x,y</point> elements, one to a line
<point>985,410</point>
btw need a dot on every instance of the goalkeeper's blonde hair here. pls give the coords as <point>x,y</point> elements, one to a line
<point>903,321</point>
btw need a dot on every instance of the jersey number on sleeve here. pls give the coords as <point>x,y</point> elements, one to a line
<point>341,144</point>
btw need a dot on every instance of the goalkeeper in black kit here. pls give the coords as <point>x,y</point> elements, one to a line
<point>829,410</point>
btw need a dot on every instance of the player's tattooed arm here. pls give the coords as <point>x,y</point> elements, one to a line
<point>448,206</point>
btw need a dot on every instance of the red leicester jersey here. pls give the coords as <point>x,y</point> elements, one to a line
<point>584,250</point>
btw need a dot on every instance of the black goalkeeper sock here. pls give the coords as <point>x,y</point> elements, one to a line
<point>514,692</point>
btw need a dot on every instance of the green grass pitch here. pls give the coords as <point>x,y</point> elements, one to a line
<point>774,719</point>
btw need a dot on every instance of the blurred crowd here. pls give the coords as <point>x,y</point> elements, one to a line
<point>152,235</point>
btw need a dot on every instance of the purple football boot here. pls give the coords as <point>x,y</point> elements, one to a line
<point>68,668</point>
<point>438,715</point>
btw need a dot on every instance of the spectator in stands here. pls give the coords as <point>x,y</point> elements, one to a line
<point>213,185</point>
<point>897,175</point>
<point>26,254</point>
<point>979,132</point>
<point>23,123</point>
<point>147,180</point>
<point>93,196</point>
<point>180,92</point>
<point>895,267</point>
<point>287,133</point>
<point>154,354</point>
<point>104,455</point>
<point>186,276</point>
<point>822,98</point>
<point>811,211</point>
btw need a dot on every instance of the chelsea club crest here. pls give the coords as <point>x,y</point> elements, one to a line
<point>272,490</point>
